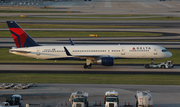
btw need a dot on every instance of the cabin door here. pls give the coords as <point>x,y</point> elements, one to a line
<point>123,51</point>
<point>155,51</point>
<point>38,52</point>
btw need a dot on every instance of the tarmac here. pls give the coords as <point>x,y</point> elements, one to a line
<point>51,95</point>
<point>79,69</point>
<point>143,7</point>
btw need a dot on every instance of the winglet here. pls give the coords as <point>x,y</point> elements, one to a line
<point>67,52</point>
<point>72,43</point>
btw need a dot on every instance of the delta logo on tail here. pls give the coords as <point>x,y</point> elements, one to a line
<point>21,38</point>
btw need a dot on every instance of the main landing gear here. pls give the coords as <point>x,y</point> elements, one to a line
<point>87,64</point>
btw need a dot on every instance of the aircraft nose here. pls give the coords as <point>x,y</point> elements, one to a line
<point>169,54</point>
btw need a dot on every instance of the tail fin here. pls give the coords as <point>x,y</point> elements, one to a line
<point>21,38</point>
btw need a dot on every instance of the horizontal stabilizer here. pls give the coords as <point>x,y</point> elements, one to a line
<point>72,43</point>
<point>19,51</point>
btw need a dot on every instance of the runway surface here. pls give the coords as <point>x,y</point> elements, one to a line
<point>66,39</point>
<point>163,23</point>
<point>51,95</point>
<point>78,69</point>
<point>160,30</point>
<point>148,7</point>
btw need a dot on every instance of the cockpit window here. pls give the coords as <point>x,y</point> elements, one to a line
<point>164,50</point>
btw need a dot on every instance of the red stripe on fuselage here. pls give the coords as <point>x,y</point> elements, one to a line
<point>22,34</point>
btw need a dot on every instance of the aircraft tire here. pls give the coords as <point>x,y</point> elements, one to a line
<point>85,66</point>
<point>136,103</point>
<point>89,66</point>
<point>146,66</point>
<point>87,104</point>
<point>163,66</point>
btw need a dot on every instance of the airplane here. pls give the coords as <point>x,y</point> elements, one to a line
<point>100,54</point>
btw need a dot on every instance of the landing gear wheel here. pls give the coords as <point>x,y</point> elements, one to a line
<point>87,66</point>
<point>163,66</point>
<point>152,61</point>
<point>136,103</point>
<point>146,66</point>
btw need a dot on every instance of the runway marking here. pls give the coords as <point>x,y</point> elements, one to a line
<point>166,5</point>
<point>107,3</point>
<point>62,4</point>
<point>94,4</point>
<point>144,5</point>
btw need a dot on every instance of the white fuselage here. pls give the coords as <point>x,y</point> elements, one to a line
<point>115,51</point>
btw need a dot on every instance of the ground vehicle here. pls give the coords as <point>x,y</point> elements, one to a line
<point>14,100</point>
<point>79,99</point>
<point>31,85</point>
<point>167,64</point>
<point>111,99</point>
<point>6,104</point>
<point>24,86</point>
<point>144,99</point>
<point>6,86</point>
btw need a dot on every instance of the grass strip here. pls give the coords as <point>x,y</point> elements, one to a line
<point>91,78</point>
<point>62,26</point>
<point>7,57</point>
<point>80,34</point>
<point>130,15</point>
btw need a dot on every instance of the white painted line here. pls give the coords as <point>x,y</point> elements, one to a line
<point>144,4</point>
<point>107,3</point>
<point>166,5</point>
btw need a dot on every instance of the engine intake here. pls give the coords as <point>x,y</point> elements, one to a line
<point>106,61</point>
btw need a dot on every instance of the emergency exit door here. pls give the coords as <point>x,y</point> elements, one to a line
<point>123,51</point>
<point>155,51</point>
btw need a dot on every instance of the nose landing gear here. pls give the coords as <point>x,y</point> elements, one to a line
<point>152,61</point>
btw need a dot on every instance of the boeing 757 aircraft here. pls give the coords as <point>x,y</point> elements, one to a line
<point>101,54</point>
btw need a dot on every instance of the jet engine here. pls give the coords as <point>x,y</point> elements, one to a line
<point>106,61</point>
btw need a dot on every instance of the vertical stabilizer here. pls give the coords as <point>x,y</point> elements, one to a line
<point>21,38</point>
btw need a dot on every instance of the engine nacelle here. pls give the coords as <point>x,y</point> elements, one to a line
<point>106,61</point>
